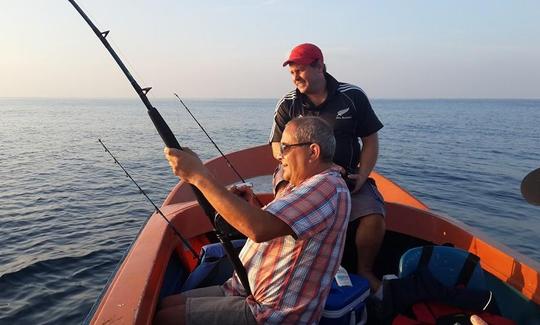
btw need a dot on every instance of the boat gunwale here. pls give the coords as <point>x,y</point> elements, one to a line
<point>511,267</point>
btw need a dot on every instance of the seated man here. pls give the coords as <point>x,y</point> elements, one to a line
<point>294,243</point>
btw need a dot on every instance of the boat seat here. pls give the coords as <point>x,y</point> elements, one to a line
<point>451,266</point>
<point>214,267</point>
<point>439,283</point>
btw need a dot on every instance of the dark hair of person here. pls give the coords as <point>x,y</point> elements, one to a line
<point>316,130</point>
<point>315,63</point>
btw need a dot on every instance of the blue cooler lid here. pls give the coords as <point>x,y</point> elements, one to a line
<point>340,297</point>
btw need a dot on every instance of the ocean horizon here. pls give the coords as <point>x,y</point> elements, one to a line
<point>172,98</point>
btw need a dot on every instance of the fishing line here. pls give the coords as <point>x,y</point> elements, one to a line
<point>164,132</point>
<point>186,243</point>
<point>216,146</point>
<point>161,126</point>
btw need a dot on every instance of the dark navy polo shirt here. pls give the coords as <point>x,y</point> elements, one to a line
<point>346,108</point>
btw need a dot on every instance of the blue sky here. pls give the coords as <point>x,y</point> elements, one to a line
<point>234,49</point>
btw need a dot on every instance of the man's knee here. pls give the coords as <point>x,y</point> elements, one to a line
<point>370,231</point>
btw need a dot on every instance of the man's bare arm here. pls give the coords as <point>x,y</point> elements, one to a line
<point>368,159</point>
<point>370,152</point>
<point>253,222</point>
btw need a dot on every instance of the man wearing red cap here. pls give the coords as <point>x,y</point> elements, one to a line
<point>347,108</point>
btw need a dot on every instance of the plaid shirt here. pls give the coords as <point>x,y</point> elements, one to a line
<point>291,277</point>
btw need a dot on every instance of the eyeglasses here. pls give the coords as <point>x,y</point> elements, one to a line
<point>283,147</point>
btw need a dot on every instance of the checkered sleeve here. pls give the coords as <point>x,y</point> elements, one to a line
<point>307,209</point>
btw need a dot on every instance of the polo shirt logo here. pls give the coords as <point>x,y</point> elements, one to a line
<point>341,114</point>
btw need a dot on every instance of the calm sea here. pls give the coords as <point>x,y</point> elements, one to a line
<point>68,214</point>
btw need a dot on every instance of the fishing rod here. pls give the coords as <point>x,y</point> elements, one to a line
<point>161,126</point>
<point>164,132</point>
<point>216,146</point>
<point>186,243</point>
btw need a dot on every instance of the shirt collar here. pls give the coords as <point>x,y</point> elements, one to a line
<point>331,84</point>
<point>331,87</point>
<point>332,170</point>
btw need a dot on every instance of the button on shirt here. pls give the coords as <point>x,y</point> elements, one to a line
<point>291,276</point>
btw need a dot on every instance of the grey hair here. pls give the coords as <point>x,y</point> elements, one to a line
<point>316,130</point>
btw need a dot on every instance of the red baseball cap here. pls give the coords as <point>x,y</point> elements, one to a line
<point>305,53</point>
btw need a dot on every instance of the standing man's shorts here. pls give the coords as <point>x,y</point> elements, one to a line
<point>210,305</point>
<point>367,201</point>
